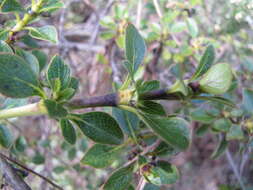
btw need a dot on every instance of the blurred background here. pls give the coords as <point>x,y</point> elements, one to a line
<point>91,41</point>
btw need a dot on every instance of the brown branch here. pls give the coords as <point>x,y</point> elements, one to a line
<point>3,157</point>
<point>11,177</point>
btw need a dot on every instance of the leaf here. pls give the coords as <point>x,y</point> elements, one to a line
<point>162,174</point>
<point>68,131</point>
<point>205,63</point>
<point>54,109</point>
<point>202,130</point>
<point>6,138</point>
<point>47,33</point>
<point>201,116</point>
<point>20,144</point>
<point>192,27</point>
<point>4,34</point>
<point>151,107</point>
<point>248,100</point>
<point>74,83</point>
<point>30,59</point>
<point>217,99</point>
<point>222,125</point>
<point>101,156</point>
<point>148,86</point>
<point>135,48</point>
<point>11,6</point>
<point>127,120</point>
<point>235,133</point>
<point>58,70</point>
<point>99,127</point>
<point>17,78</point>
<point>173,130</point>
<point>177,27</point>
<point>66,94</point>
<point>38,159</point>
<point>164,149</point>
<point>217,80</point>
<point>4,47</point>
<point>120,179</point>
<point>41,57</point>
<point>51,5</point>
<point>220,148</point>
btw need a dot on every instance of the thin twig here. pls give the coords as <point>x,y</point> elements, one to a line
<point>31,171</point>
<point>141,184</point>
<point>235,169</point>
<point>157,8</point>
<point>139,11</point>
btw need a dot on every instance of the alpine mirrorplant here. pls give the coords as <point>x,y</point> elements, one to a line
<point>135,105</point>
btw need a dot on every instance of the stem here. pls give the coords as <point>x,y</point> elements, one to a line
<point>27,110</point>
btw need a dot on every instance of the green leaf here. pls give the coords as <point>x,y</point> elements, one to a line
<point>248,100</point>
<point>17,78</point>
<point>73,84</point>
<point>47,33</point>
<point>164,149</point>
<point>41,57</point>
<point>177,27</point>
<point>192,27</point>
<point>135,48</point>
<point>29,41</point>
<point>120,179</point>
<point>217,80</point>
<point>202,130</point>
<point>205,63</point>
<point>66,94</point>
<point>99,127</point>
<point>173,130</point>
<point>38,159</point>
<point>30,59</point>
<point>58,70</point>
<point>54,109</point>
<point>127,120</point>
<point>162,174</point>
<point>51,5</point>
<point>217,99</point>
<point>68,131</point>
<point>6,138</point>
<point>235,133</point>
<point>11,6</point>
<point>148,86</point>
<point>201,116</point>
<point>222,125</point>
<point>220,148</point>
<point>4,47</point>
<point>151,107</point>
<point>101,156</point>
<point>4,34</point>
<point>20,144</point>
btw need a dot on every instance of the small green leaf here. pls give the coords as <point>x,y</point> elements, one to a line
<point>201,116</point>
<point>127,120</point>
<point>148,86</point>
<point>248,100</point>
<point>202,130</point>
<point>173,130</point>
<point>20,144</point>
<point>47,33</point>
<point>17,78</point>
<point>51,6</point>
<point>235,133</point>
<point>6,138</point>
<point>99,127</point>
<point>54,109</point>
<point>30,59</point>
<point>151,107</point>
<point>220,148</point>
<point>162,174</point>
<point>217,99</point>
<point>192,27</point>
<point>38,159</point>
<point>4,47</point>
<point>101,156</point>
<point>135,48</point>
<point>205,63</point>
<point>164,149</point>
<point>73,84</point>
<point>4,34</point>
<point>58,69</point>
<point>11,6</point>
<point>222,125</point>
<point>66,94</point>
<point>41,57</point>
<point>120,179</point>
<point>68,131</point>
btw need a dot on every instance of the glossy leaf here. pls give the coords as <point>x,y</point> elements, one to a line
<point>120,179</point>
<point>222,125</point>
<point>4,47</point>
<point>55,110</point>
<point>101,156</point>
<point>220,149</point>
<point>248,100</point>
<point>151,107</point>
<point>47,33</point>
<point>162,174</point>
<point>235,133</point>
<point>68,131</point>
<point>17,78</point>
<point>58,70</point>
<point>217,80</point>
<point>201,116</point>
<point>99,127</point>
<point>148,86</point>
<point>6,138</point>
<point>135,48</point>
<point>41,57</point>
<point>205,63</point>
<point>51,5</point>
<point>217,99</point>
<point>173,130</point>
<point>11,6</point>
